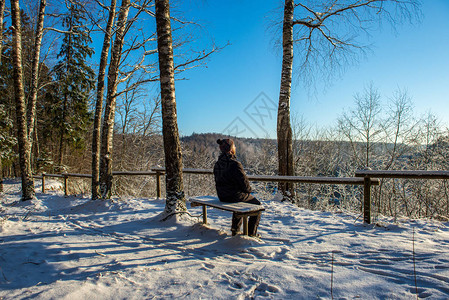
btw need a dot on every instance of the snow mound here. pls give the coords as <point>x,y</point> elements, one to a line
<point>57,247</point>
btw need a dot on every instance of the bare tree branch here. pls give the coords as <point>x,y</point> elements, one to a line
<point>199,57</point>
<point>328,31</point>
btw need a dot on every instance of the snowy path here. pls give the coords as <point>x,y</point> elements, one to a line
<point>72,248</point>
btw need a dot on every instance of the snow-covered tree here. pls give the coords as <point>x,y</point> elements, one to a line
<point>75,81</point>
<point>7,141</point>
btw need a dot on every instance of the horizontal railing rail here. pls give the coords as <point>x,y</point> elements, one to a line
<point>367,178</point>
<point>65,176</point>
<point>278,178</point>
<point>404,174</point>
<point>160,171</point>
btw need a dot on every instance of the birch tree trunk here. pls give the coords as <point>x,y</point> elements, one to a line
<point>35,70</point>
<point>284,129</point>
<point>96,138</point>
<point>19,95</point>
<point>107,131</point>
<point>61,134</point>
<point>2,11</point>
<point>31,120</point>
<point>175,199</point>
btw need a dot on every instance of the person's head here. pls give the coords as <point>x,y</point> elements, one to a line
<point>227,146</point>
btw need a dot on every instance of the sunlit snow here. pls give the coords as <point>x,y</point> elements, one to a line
<point>60,247</point>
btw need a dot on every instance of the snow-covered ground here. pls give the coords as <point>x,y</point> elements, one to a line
<point>73,248</point>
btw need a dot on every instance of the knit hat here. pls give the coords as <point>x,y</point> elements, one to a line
<point>225,145</point>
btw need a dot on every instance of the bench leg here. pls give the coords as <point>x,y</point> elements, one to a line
<point>245,225</point>
<point>204,214</point>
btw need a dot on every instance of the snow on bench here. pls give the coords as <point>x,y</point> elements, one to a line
<point>241,209</point>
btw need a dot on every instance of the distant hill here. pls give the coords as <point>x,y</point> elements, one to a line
<point>204,146</point>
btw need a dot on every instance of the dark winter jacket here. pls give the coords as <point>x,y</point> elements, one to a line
<point>230,180</point>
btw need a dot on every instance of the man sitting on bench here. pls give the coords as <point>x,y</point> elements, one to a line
<point>233,186</point>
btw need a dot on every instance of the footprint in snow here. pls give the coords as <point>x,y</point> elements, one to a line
<point>259,254</point>
<point>282,254</point>
<point>208,266</point>
<point>442,267</point>
<point>130,244</point>
<point>246,255</point>
<point>268,287</point>
<point>265,290</point>
<point>422,293</point>
<point>233,273</point>
<point>231,279</point>
<point>238,285</point>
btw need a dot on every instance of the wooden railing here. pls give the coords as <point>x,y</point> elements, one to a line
<point>66,176</point>
<point>158,172</point>
<point>367,178</point>
<point>370,175</point>
<point>405,174</point>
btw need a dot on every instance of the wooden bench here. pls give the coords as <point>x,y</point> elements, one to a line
<point>240,209</point>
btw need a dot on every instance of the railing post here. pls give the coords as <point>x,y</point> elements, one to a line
<point>65,185</point>
<point>245,225</point>
<point>43,182</point>
<point>204,214</point>
<point>367,200</point>
<point>158,184</point>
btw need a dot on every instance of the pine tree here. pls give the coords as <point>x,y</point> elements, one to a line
<point>76,81</point>
<point>7,141</point>
<point>46,147</point>
<point>2,10</point>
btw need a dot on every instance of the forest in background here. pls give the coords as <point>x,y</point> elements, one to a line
<point>370,135</point>
<point>324,157</point>
<point>53,104</point>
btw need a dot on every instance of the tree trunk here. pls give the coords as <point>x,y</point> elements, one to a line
<point>35,143</point>
<point>19,95</point>
<point>284,130</point>
<point>175,199</point>
<point>61,135</point>
<point>66,100</point>
<point>107,131</point>
<point>1,175</point>
<point>31,120</point>
<point>35,70</point>
<point>96,138</point>
<point>2,11</point>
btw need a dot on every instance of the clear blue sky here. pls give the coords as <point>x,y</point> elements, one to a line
<point>221,97</point>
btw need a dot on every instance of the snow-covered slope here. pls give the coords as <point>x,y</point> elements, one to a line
<point>74,248</point>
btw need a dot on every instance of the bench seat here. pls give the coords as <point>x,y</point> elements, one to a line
<point>241,209</point>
